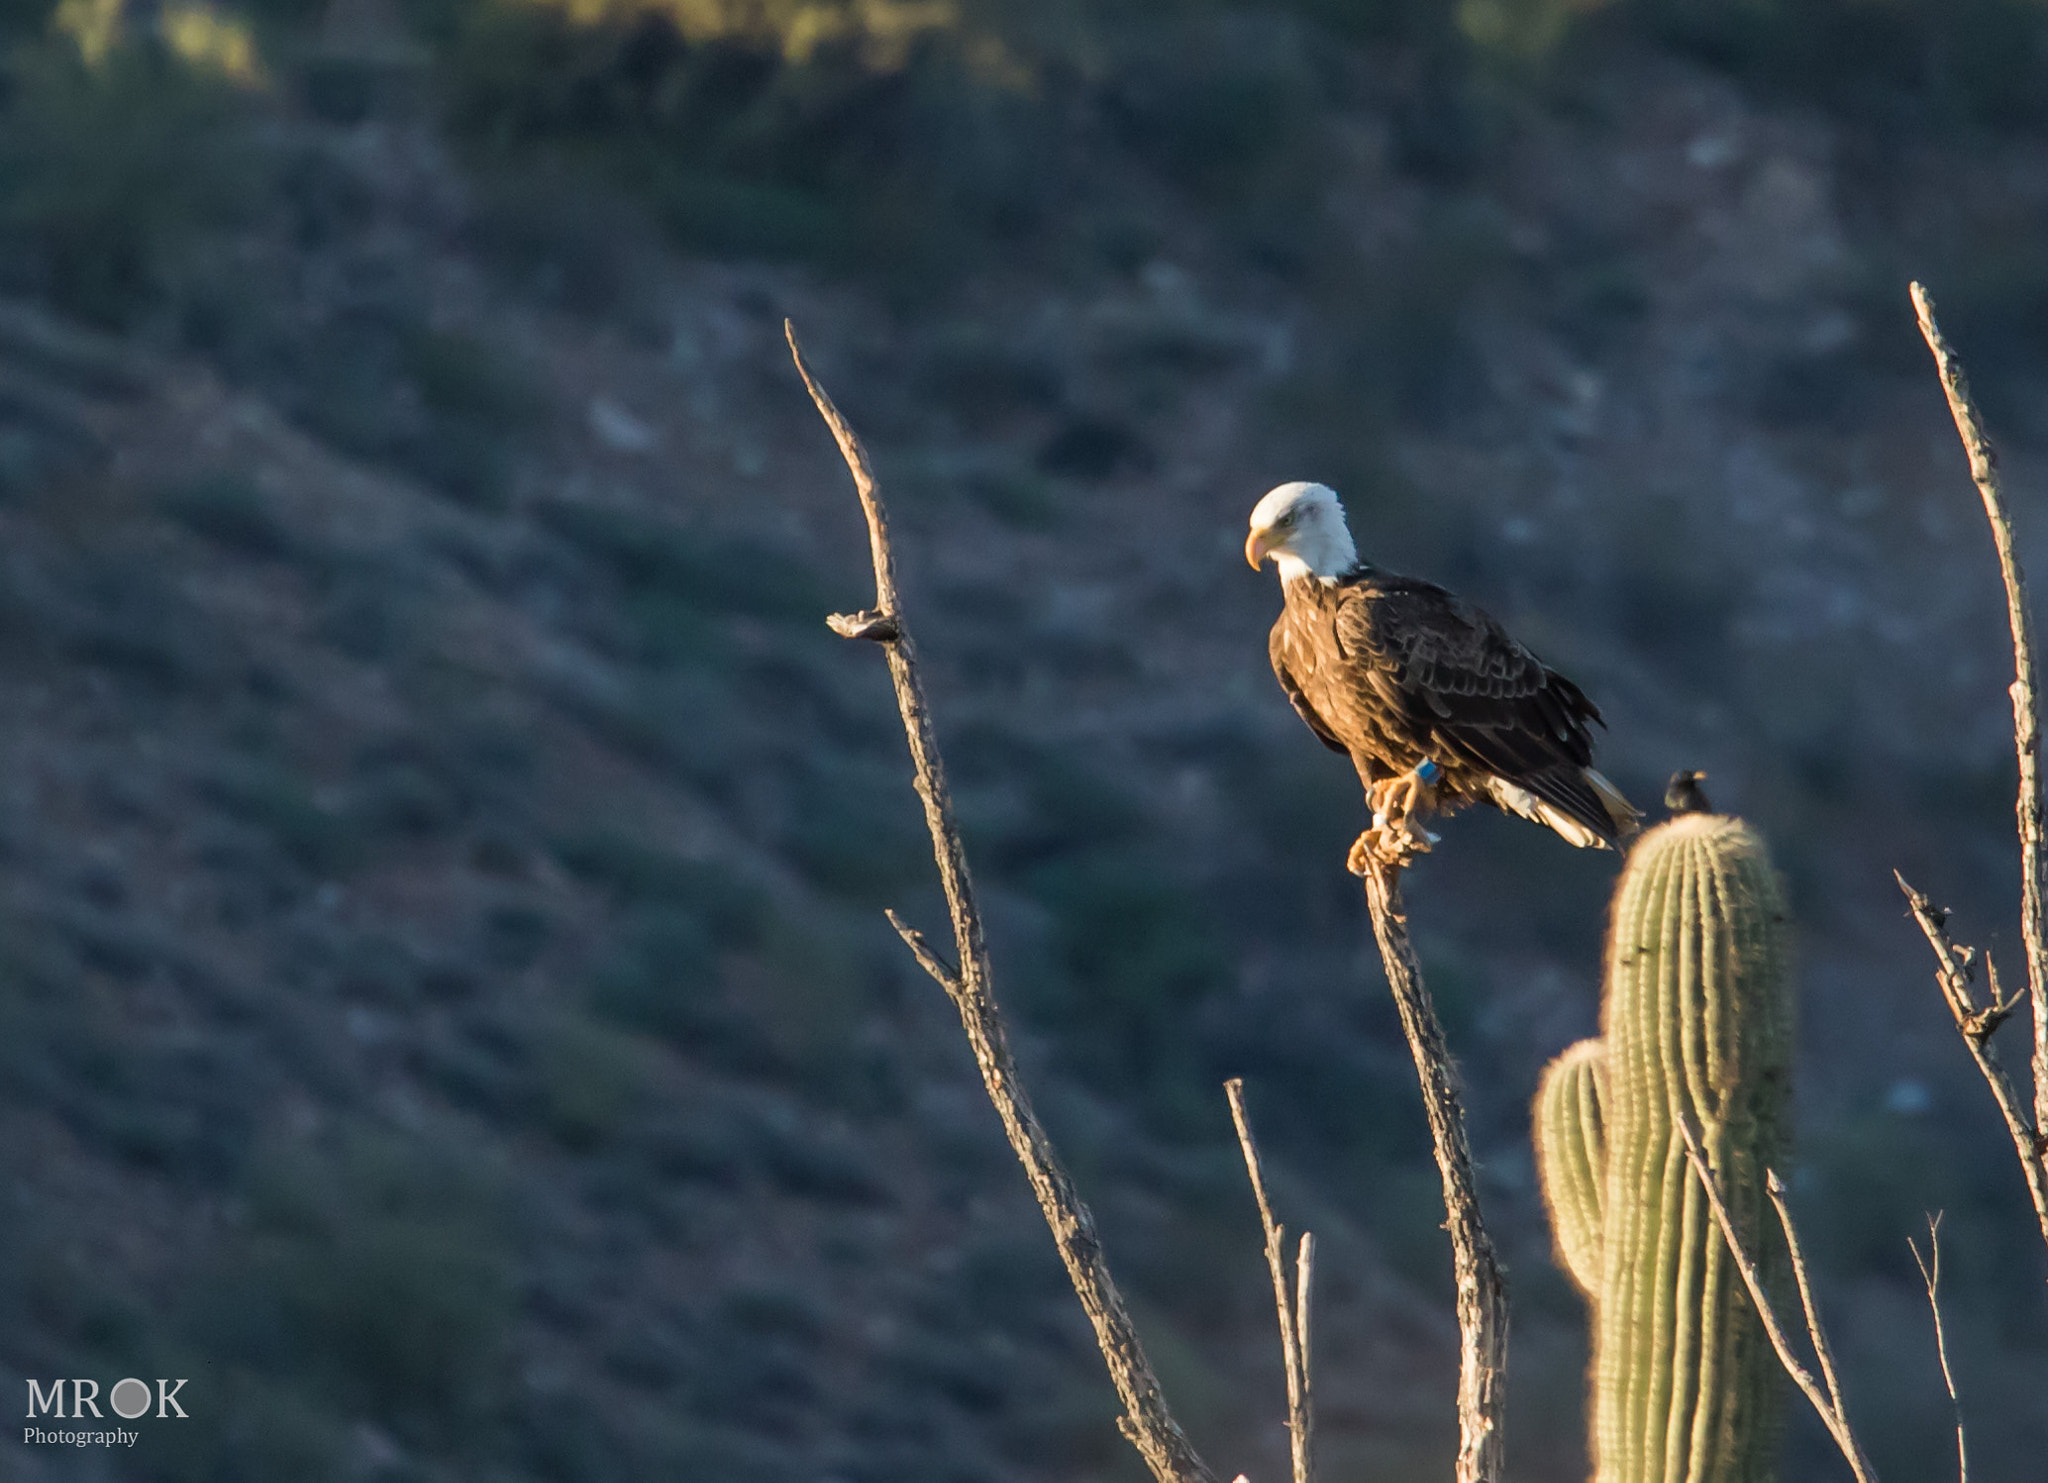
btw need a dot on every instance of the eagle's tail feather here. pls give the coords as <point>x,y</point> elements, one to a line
<point>1584,810</point>
<point>1571,829</point>
<point>1628,819</point>
<point>1519,800</point>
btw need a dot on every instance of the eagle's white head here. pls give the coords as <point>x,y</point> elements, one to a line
<point>1301,526</point>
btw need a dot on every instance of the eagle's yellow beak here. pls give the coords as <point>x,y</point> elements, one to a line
<point>1262,540</point>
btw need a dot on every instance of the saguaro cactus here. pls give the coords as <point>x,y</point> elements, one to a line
<point>1696,1024</point>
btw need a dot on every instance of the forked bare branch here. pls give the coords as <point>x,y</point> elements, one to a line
<point>1953,969</point>
<point>1146,1422</point>
<point>1930,1276</point>
<point>2026,731</point>
<point>1293,1310</point>
<point>1828,1409</point>
<point>1482,1297</point>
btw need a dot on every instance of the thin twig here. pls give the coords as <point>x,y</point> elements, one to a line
<point>1985,1022</point>
<point>1304,1285</point>
<point>1953,974</point>
<point>1775,1187</point>
<point>1293,1314</point>
<point>1830,1415</point>
<point>922,950</point>
<point>1930,1275</point>
<point>1482,1297</point>
<point>2026,725</point>
<point>1146,1422</point>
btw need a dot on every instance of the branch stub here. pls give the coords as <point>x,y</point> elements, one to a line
<point>882,628</point>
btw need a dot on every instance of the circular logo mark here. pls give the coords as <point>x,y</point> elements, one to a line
<point>129,1398</point>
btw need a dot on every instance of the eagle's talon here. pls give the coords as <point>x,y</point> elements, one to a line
<point>1406,842</point>
<point>1388,847</point>
<point>1413,793</point>
<point>1395,838</point>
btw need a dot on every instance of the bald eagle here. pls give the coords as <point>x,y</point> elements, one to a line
<point>1434,703</point>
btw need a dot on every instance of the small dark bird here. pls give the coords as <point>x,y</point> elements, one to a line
<point>1684,795</point>
<point>1432,700</point>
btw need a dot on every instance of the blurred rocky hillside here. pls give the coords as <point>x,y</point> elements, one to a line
<point>445,1008</point>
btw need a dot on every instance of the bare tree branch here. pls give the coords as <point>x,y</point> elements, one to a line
<point>1775,1187</point>
<point>1830,1414</point>
<point>2026,728</point>
<point>1930,1275</point>
<point>1146,1422</point>
<point>1293,1314</point>
<point>1482,1297</point>
<point>1952,972</point>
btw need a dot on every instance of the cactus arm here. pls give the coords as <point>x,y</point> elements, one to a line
<point>1571,1156</point>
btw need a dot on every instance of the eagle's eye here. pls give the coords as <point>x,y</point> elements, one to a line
<point>1290,517</point>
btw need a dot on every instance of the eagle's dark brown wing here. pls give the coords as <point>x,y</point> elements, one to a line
<point>1276,650</point>
<point>1450,673</point>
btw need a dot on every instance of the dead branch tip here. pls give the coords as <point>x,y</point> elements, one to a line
<point>1293,1310</point>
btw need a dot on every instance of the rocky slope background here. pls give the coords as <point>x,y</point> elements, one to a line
<point>446,1011</point>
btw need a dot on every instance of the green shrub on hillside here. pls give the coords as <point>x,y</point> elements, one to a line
<point>379,1265</point>
<point>229,510</point>
<point>1972,62</point>
<point>111,173</point>
<point>736,147</point>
